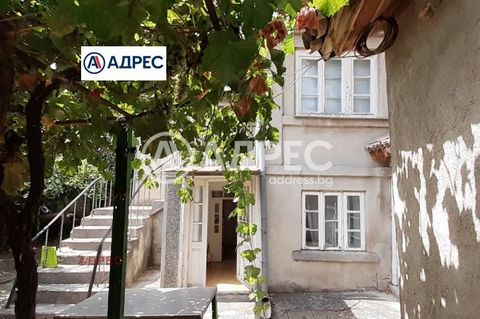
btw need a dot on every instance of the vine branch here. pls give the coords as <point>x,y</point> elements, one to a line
<point>213,15</point>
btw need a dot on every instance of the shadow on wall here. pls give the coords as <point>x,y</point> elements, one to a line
<point>438,228</point>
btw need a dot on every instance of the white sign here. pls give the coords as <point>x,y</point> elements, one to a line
<point>122,63</point>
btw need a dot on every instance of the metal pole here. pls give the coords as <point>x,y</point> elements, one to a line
<point>61,231</point>
<point>116,291</point>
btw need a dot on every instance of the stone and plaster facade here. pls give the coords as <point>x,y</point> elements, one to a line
<point>353,170</point>
<point>290,267</point>
<point>434,94</point>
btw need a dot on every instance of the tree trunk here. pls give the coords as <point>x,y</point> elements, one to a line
<point>24,254</point>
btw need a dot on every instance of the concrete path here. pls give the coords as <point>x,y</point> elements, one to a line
<point>346,305</point>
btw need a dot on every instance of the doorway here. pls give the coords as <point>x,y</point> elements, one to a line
<point>222,244</point>
<point>229,234</point>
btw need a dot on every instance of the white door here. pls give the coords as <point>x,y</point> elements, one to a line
<point>214,250</point>
<point>198,239</point>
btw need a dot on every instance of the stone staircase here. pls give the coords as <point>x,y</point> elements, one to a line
<point>69,282</point>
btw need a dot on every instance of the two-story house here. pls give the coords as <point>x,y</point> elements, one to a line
<point>322,201</point>
<point>328,200</point>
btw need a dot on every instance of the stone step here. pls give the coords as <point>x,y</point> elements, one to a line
<point>65,293</point>
<point>43,311</point>
<point>85,243</point>
<point>106,220</point>
<point>72,274</point>
<point>141,210</point>
<point>95,231</point>
<point>90,243</point>
<point>69,256</point>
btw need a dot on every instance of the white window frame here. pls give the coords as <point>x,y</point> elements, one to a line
<point>347,89</point>
<point>342,221</point>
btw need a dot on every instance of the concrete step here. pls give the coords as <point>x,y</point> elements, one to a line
<point>95,231</point>
<point>141,210</point>
<point>69,256</point>
<point>106,220</point>
<point>43,311</point>
<point>72,274</point>
<point>85,243</point>
<point>65,293</point>
<point>90,243</point>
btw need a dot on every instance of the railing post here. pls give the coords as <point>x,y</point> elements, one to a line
<point>60,235</point>
<point>116,291</point>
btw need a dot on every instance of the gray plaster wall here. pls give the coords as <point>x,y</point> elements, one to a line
<point>433,74</point>
<point>290,269</point>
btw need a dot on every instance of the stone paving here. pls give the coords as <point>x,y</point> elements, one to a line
<point>332,305</point>
<point>345,305</point>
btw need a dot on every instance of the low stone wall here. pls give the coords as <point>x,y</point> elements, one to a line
<point>140,255</point>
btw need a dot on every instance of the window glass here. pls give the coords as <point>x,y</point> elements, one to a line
<point>353,202</point>
<point>354,240</point>
<point>333,69</point>
<point>311,221</point>
<point>199,194</point>
<point>311,238</point>
<point>331,205</point>
<point>335,222</point>
<point>361,67</point>
<point>333,87</point>
<point>309,67</point>
<point>311,202</point>
<point>197,232</point>
<point>309,104</point>
<point>361,105</point>
<point>333,105</point>
<point>353,221</point>
<point>361,86</point>
<point>198,215</point>
<point>331,234</point>
<point>309,86</point>
<point>331,221</point>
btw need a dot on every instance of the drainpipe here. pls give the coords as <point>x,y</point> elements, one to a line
<point>263,210</point>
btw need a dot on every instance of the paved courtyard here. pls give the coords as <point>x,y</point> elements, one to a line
<point>347,305</point>
<point>335,305</point>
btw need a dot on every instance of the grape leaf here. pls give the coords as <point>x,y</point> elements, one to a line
<point>329,7</point>
<point>228,56</point>
<point>256,14</point>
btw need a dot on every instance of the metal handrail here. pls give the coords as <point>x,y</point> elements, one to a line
<point>61,214</point>
<point>100,245</point>
<point>64,209</point>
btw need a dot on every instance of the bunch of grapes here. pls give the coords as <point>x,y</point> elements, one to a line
<point>275,32</point>
<point>176,57</point>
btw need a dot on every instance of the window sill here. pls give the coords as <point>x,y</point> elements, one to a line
<point>335,256</point>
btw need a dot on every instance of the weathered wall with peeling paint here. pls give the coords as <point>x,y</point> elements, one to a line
<point>433,75</point>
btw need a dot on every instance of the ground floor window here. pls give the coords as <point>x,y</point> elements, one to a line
<point>333,221</point>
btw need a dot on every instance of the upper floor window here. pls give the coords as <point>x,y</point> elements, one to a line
<point>344,86</point>
<point>333,221</point>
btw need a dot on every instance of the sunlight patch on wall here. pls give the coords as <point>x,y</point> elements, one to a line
<point>454,173</point>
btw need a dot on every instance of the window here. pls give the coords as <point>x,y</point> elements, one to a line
<point>337,87</point>
<point>333,221</point>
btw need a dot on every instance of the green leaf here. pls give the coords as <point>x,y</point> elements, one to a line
<point>136,163</point>
<point>329,7</point>
<point>228,56</point>
<point>288,45</point>
<point>256,15</point>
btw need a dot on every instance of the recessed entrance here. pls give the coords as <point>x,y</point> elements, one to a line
<point>222,244</point>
